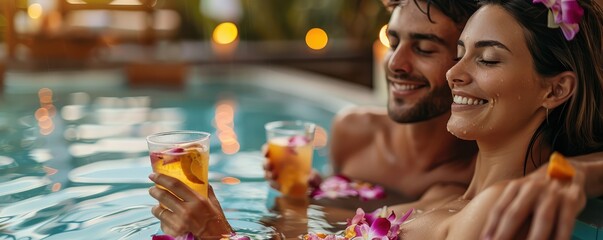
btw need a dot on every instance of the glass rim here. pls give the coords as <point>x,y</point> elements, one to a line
<point>273,126</point>
<point>202,136</point>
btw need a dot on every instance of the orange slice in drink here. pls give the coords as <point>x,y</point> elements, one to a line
<point>560,168</point>
<point>192,165</point>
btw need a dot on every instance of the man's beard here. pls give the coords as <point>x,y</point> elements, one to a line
<point>436,103</point>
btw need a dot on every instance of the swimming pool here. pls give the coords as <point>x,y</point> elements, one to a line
<point>73,159</point>
<point>78,170</point>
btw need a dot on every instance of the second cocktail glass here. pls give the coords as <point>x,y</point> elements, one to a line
<point>290,150</point>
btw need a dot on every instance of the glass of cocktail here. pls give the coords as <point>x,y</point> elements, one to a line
<point>290,150</point>
<point>183,155</point>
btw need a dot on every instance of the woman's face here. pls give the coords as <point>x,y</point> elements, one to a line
<point>495,87</point>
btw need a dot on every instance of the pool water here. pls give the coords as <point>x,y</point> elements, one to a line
<point>74,164</point>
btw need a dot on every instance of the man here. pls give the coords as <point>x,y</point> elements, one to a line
<point>408,149</point>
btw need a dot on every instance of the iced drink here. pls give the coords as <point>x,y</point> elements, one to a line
<point>290,150</point>
<point>183,155</point>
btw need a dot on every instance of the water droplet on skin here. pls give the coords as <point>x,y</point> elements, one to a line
<point>464,131</point>
<point>452,210</point>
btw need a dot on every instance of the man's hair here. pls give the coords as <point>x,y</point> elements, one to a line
<point>575,127</point>
<point>457,10</point>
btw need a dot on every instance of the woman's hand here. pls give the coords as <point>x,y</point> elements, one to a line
<point>550,205</point>
<point>186,211</point>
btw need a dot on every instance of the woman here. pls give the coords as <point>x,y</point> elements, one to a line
<point>521,90</point>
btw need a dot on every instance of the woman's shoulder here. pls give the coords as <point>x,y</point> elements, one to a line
<point>469,222</point>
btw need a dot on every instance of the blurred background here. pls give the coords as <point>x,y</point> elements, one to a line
<point>334,38</point>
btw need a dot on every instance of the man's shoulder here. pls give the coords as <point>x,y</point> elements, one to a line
<point>361,115</point>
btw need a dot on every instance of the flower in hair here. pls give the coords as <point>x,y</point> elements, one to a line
<point>565,14</point>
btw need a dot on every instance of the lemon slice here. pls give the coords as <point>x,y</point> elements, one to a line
<point>192,165</point>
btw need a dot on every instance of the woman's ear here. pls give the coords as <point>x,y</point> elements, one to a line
<point>561,87</point>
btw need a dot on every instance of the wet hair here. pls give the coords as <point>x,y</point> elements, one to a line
<point>576,126</point>
<point>457,10</point>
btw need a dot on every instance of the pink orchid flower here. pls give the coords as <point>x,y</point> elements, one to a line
<point>313,236</point>
<point>370,226</point>
<point>379,229</point>
<point>373,226</point>
<point>296,141</point>
<point>188,236</point>
<point>371,192</point>
<point>334,187</point>
<point>339,186</point>
<point>566,14</point>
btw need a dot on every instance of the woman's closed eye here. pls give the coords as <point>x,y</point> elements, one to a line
<point>487,62</point>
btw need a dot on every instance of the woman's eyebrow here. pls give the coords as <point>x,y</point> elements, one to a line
<point>491,43</point>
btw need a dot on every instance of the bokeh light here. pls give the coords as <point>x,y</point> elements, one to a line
<point>383,36</point>
<point>34,11</point>
<point>225,33</point>
<point>316,38</point>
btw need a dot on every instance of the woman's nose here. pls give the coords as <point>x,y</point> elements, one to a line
<point>457,75</point>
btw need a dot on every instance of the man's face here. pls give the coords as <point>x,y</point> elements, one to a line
<point>421,52</point>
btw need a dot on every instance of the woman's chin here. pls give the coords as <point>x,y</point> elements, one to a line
<point>463,131</point>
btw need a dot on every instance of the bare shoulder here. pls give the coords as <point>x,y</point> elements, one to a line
<point>354,130</point>
<point>469,222</point>
<point>360,120</point>
<point>435,196</point>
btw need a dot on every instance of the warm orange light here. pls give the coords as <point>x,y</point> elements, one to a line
<point>34,11</point>
<point>230,180</point>
<point>52,110</point>
<point>45,122</point>
<point>41,112</point>
<point>224,123</point>
<point>383,36</point>
<point>225,106</point>
<point>231,148</point>
<point>47,131</point>
<point>56,187</point>
<point>225,33</point>
<point>45,95</point>
<point>316,39</point>
<point>226,136</point>
<point>320,137</point>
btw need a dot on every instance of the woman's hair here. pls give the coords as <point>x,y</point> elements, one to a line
<point>575,127</point>
<point>457,10</point>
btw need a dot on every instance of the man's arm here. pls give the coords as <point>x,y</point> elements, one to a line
<point>592,166</point>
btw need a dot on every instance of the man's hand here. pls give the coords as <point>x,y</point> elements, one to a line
<point>551,206</point>
<point>186,211</point>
